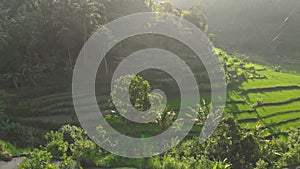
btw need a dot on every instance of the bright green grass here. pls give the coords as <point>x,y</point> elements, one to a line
<point>251,125</point>
<point>282,117</point>
<point>11,149</point>
<point>289,125</point>
<point>284,126</point>
<point>241,116</point>
<point>237,107</point>
<point>271,120</point>
<point>233,96</point>
<point>274,79</point>
<point>256,66</point>
<point>275,116</point>
<point>267,110</point>
<point>274,96</point>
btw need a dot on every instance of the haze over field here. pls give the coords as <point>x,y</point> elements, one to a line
<point>143,90</point>
<point>268,28</point>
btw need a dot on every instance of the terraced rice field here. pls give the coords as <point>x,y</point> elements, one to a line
<point>278,94</point>
<point>278,97</point>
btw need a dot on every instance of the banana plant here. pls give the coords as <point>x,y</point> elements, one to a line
<point>32,74</point>
<point>14,78</point>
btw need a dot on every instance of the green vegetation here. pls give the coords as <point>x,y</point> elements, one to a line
<point>39,43</point>
<point>264,96</point>
<point>233,148</point>
<point>8,148</point>
<point>265,30</point>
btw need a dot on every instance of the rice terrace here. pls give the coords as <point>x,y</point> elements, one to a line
<point>40,45</point>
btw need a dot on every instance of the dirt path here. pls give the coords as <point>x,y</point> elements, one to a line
<point>12,164</point>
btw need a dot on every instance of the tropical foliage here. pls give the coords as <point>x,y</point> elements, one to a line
<point>39,44</point>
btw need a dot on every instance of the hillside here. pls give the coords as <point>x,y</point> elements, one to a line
<point>272,100</point>
<point>256,42</point>
<point>265,30</point>
<point>266,98</point>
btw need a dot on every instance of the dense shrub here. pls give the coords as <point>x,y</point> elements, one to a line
<point>9,130</point>
<point>229,147</point>
<point>70,141</point>
<point>12,132</point>
<point>232,143</point>
<point>40,159</point>
<point>139,93</point>
<point>67,163</point>
<point>44,37</point>
<point>282,152</point>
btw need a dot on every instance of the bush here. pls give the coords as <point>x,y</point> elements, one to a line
<point>71,142</point>
<point>86,152</point>
<point>109,160</point>
<point>12,132</point>
<point>229,147</point>
<point>188,154</point>
<point>153,162</point>
<point>231,142</point>
<point>261,164</point>
<point>282,152</point>
<point>67,163</point>
<point>170,162</point>
<point>40,159</point>
<point>139,93</point>
<point>56,145</point>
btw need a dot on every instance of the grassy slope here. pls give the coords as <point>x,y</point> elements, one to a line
<point>56,108</point>
<point>281,116</point>
<point>8,148</point>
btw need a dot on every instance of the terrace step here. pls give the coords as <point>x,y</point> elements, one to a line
<point>255,119</point>
<point>285,122</point>
<point>267,89</point>
<point>280,103</point>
